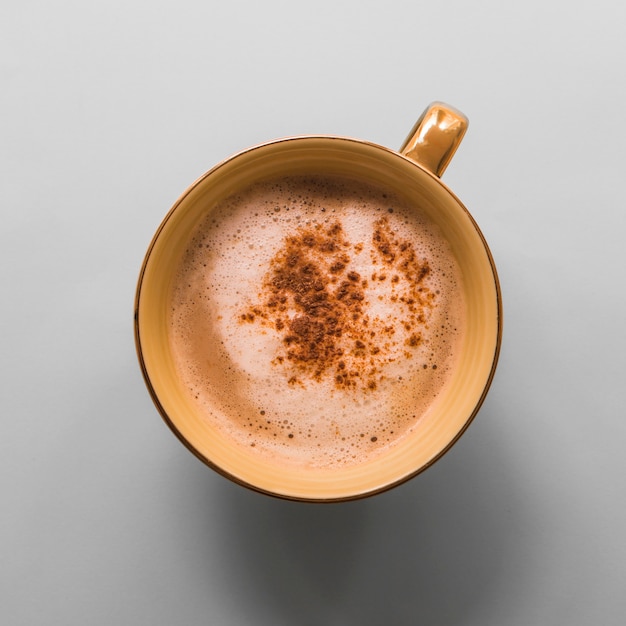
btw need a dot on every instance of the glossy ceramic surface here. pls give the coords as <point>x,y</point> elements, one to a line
<point>415,172</point>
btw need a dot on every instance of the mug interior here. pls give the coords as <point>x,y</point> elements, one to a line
<point>450,414</point>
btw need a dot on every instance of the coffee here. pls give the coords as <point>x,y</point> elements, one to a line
<point>315,320</point>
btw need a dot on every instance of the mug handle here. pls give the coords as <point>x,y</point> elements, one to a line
<point>435,137</point>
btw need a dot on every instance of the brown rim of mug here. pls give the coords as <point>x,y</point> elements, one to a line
<point>211,464</point>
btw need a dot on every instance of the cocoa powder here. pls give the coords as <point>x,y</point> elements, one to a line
<point>316,303</point>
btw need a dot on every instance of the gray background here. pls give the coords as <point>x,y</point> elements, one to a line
<point>108,110</point>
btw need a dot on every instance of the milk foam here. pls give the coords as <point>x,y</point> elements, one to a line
<point>381,345</point>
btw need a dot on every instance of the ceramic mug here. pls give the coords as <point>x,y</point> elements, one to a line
<point>415,171</point>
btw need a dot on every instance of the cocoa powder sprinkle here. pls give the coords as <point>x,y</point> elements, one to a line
<point>316,303</point>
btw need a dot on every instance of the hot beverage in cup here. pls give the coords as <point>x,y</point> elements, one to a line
<point>316,319</point>
<point>319,318</point>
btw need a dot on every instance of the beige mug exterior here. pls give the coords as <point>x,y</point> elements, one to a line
<point>414,172</point>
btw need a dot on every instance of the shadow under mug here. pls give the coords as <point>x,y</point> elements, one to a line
<point>415,172</point>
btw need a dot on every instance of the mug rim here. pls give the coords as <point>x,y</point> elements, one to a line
<point>170,422</point>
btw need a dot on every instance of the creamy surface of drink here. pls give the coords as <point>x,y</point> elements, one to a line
<point>315,321</point>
